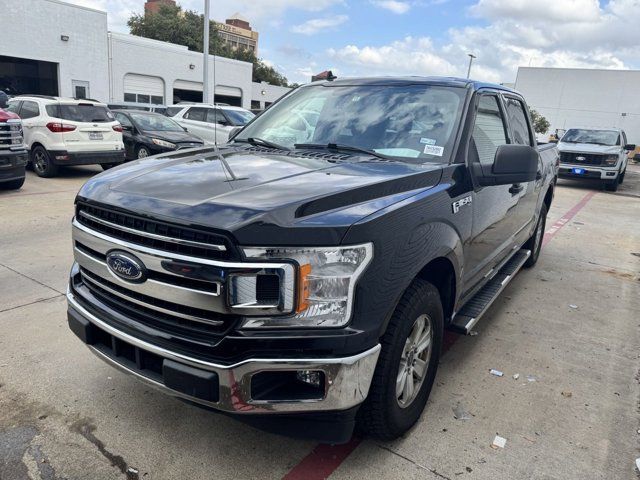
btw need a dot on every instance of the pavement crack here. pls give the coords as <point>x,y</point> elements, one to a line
<point>87,430</point>
<point>432,470</point>
<point>31,303</point>
<point>31,278</point>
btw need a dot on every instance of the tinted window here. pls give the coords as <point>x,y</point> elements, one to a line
<point>196,113</point>
<point>239,117</point>
<point>14,106</point>
<point>155,122</point>
<point>171,111</point>
<point>518,121</point>
<point>123,119</point>
<point>29,110</point>
<point>488,131</point>
<point>216,116</point>
<point>83,112</point>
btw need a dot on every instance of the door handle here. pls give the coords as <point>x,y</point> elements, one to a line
<point>515,188</point>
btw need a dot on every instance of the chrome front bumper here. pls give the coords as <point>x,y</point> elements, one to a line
<point>347,379</point>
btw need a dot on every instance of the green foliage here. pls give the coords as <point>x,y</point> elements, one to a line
<point>540,123</point>
<point>172,24</point>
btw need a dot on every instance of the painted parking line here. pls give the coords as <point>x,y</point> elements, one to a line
<point>566,218</point>
<point>325,459</point>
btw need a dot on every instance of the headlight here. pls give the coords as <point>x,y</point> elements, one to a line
<point>610,160</point>
<point>325,284</point>
<point>163,143</point>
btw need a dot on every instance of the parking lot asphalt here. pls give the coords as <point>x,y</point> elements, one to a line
<point>568,329</point>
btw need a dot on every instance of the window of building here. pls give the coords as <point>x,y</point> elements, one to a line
<point>518,121</point>
<point>489,130</point>
<point>156,99</point>
<point>143,98</point>
<point>130,97</point>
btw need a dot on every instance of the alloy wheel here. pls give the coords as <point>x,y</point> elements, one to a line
<point>414,361</point>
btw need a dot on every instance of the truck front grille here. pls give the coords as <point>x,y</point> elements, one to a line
<point>154,234</point>
<point>582,158</point>
<point>11,134</point>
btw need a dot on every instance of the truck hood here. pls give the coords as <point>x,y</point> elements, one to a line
<point>255,194</point>
<point>588,148</point>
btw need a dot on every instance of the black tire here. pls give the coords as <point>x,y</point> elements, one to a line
<point>382,415</point>
<point>12,184</point>
<point>535,242</point>
<point>612,186</point>
<point>142,152</point>
<point>42,163</point>
<point>621,179</point>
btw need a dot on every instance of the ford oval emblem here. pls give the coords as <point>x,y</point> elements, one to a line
<point>126,266</point>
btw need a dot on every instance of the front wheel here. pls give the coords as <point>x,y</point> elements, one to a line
<point>407,364</point>
<point>143,152</point>
<point>535,242</point>
<point>612,186</point>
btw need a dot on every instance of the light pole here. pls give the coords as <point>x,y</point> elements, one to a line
<point>205,51</point>
<point>471,57</point>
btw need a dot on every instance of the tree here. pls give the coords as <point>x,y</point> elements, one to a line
<point>172,24</point>
<point>540,123</point>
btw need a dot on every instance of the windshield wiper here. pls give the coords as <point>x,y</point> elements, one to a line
<point>261,142</point>
<point>340,146</point>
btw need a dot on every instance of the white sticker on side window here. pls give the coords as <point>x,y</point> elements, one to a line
<point>433,150</point>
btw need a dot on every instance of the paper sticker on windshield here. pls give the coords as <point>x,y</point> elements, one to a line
<point>428,141</point>
<point>433,150</point>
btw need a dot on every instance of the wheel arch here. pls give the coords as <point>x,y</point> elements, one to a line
<point>441,273</point>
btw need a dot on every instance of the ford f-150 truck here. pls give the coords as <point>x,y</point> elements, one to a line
<point>595,153</point>
<point>301,276</point>
<point>13,153</point>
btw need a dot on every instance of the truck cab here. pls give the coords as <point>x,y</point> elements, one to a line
<point>599,154</point>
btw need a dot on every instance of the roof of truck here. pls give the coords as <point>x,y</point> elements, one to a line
<point>447,81</point>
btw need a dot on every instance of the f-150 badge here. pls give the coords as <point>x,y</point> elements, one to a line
<point>461,203</point>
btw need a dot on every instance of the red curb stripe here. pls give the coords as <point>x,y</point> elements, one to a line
<point>325,459</point>
<point>566,218</point>
<point>322,461</point>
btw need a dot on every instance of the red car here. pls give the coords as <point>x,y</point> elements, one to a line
<point>13,153</point>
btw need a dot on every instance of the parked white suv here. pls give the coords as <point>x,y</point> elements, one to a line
<point>212,123</point>
<point>64,131</point>
<point>595,153</point>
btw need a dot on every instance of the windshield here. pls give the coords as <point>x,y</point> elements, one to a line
<point>83,112</point>
<point>598,137</point>
<point>239,117</point>
<point>155,122</point>
<point>411,122</point>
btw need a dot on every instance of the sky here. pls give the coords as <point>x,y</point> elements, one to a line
<point>426,37</point>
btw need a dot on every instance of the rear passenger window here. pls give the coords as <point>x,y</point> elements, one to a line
<point>216,116</point>
<point>29,110</point>
<point>196,113</point>
<point>518,121</point>
<point>488,131</point>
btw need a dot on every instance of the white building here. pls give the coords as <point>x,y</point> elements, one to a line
<point>570,97</point>
<point>54,48</point>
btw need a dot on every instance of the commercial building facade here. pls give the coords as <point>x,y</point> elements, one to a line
<point>74,55</point>
<point>575,97</point>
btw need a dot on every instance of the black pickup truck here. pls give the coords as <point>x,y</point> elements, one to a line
<point>301,276</point>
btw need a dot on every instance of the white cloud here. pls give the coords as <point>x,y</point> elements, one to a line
<point>394,6</point>
<point>415,56</point>
<point>549,33</point>
<point>315,25</point>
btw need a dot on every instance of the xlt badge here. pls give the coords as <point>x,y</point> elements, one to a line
<point>461,203</point>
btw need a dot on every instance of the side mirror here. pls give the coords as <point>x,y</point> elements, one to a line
<point>224,123</point>
<point>4,100</point>
<point>234,132</point>
<point>512,164</point>
<point>630,146</point>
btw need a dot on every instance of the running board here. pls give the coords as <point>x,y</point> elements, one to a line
<point>472,311</point>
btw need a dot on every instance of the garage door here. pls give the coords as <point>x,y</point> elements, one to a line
<point>143,89</point>
<point>187,85</point>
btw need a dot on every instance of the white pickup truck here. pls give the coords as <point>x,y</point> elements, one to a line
<point>594,153</point>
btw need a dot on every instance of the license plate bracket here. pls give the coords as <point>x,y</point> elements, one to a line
<point>95,136</point>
